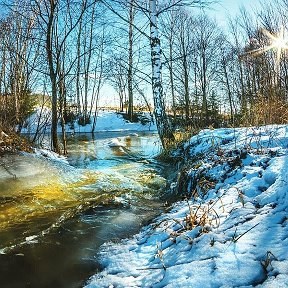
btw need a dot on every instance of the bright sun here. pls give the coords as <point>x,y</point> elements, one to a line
<point>277,42</point>
<point>280,43</point>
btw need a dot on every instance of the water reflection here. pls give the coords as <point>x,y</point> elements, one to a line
<point>53,217</point>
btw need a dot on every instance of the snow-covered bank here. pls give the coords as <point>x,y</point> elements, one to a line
<point>232,232</point>
<point>40,121</point>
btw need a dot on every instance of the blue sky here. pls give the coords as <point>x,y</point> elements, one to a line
<point>220,12</point>
<point>227,8</point>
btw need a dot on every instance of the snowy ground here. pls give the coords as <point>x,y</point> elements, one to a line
<point>233,230</point>
<point>40,120</point>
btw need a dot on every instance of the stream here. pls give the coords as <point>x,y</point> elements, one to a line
<point>55,216</point>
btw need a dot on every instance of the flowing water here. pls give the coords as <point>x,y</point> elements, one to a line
<point>55,216</point>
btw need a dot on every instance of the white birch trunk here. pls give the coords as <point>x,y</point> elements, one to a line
<point>163,127</point>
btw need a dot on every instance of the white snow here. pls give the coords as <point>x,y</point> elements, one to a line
<point>50,155</point>
<point>105,121</point>
<point>115,142</point>
<point>39,121</point>
<point>232,233</point>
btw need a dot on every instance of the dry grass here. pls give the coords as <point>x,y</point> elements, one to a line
<point>267,261</point>
<point>205,184</point>
<point>201,215</point>
<point>240,196</point>
<point>267,111</point>
<point>14,143</point>
<point>235,238</point>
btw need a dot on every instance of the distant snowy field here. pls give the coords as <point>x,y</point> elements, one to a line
<point>106,121</point>
<point>232,233</point>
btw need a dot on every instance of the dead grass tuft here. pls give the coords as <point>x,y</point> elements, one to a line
<point>267,261</point>
<point>201,215</point>
<point>12,143</point>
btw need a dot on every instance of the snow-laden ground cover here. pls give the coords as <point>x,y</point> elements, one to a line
<point>40,121</point>
<point>232,231</point>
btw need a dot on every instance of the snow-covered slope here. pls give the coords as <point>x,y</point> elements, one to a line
<point>233,230</point>
<point>40,120</point>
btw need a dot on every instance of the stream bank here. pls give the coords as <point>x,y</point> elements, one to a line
<point>232,231</point>
<point>55,216</point>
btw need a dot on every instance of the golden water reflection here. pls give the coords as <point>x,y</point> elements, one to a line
<point>49,199</point>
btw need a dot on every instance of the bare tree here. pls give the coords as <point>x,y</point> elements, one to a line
<point>130,59</point>
<point>19,58</point>
<point>56,32</point>
<point>209,42</point>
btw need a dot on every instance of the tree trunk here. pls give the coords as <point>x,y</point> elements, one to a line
<point>186,85</point>
<point>121,107</point>
<point>79,108</point>
<point>163,126</point>
<point>172,77</point>
<point>130,64</point>
<point>204,89</point>
<point>52,75</point>
<point>62,111</point>
<point>228,89</point>
<point>243,99</point>
<point>98,85</point>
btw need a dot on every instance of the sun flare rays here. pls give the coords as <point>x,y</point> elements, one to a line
<point>277,42</point>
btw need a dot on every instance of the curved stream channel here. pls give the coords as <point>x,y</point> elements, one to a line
<point>54,216</point>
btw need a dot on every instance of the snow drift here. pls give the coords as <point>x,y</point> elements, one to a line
<point>232,231</point>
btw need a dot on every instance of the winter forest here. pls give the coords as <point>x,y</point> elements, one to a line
<point>62,53</point>
<point>143,143</point>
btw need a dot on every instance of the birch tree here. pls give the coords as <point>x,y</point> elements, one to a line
<point>163,125</point>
